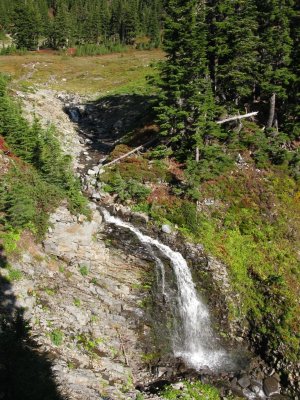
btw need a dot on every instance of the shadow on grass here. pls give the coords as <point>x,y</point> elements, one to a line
<point>25,372</point>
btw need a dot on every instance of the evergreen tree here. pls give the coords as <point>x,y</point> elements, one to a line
<point>292,106</point>
<point>59,33</point>
<point>26,25</point>
<point>233,49</point>
<point>186,109</point>
<point>274,52</point>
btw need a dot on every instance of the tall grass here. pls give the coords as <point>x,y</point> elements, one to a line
<point>98,50</point>
<point>9,50</point>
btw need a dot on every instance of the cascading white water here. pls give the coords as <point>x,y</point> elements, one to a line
<point>198,345</point>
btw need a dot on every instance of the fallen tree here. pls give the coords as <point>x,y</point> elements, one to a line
<point>234,118</point>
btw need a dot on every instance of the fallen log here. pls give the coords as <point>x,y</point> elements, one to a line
<point>128,154</point>
<point>234,118</point>
<point>237,117</point>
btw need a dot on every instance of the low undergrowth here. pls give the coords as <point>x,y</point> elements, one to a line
<point>99,50</point>
<point>193,391</point>
<point>249,218</point>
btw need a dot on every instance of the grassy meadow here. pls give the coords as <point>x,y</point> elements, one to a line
<point>97,75</point>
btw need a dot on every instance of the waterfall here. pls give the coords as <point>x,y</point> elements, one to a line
<point>195,342</point>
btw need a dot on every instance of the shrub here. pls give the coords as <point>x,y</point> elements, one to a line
<point>57,337</point>
<point>192,391</point>
<point>84,270</point>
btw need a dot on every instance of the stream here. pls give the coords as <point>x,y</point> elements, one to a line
<point>193,338</point>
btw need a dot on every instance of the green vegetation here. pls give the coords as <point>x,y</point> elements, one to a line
<point>192,391</point>
<point>111,73</point>
<point>88,343</point>
<point>40,175</point>
<point>98,50</point>
<point>13,274</point>
<point>221,58</point>
<point>83,269</point>
<point>57,337</point>
<point>77,302</point>
<point>65,23</point>
<point>9,50</point>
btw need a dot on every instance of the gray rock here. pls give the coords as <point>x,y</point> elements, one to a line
<point>96,196</point>
<point>140,217</point>
<point>244,381</point>
<point>271,386</point>
<point>166,229</point>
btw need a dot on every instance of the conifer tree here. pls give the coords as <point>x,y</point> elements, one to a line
<point>186,109</point>
<point>292,106</point>
<point>26,25</point>
<point>274,51</point>
<point>233,49</point>
<point>59,29</point>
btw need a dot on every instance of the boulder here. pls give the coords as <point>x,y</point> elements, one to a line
<point>244,381</point>
<point>271,386</point>
<point>166,229</point>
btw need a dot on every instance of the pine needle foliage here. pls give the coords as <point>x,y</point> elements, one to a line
<point>41,177</point>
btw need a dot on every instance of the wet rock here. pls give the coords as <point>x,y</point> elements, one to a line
<point>257,388</point>
<point>139,218</point>
<point>271,386</point>
<point>244,381</point>
<point>96,196</point>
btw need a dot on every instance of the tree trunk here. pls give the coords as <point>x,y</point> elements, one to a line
<point>197,154</point>
<point>272,111</point>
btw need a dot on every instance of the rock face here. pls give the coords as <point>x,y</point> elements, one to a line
<point>71,236</point>
<point>48,106</point>
<point>80,300</point>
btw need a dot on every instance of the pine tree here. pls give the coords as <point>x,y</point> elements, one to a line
<point>233,49</point>
<point>186,109</point>
<point>26,25</point>
<point>292,105</point>
<point>59,33</point>
<point>274,52</point>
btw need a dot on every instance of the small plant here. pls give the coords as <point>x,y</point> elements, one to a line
<point>88,343</point>
<point>191,391</point>
<point>94,318</point>
<point>84,270</point>
<point>14,274</point>
<point>71,365</point>
<point>50,292</point>
<point>10,241</point>
<point>77,302</point>
<point>94,281</point>
<point>128,385</point>
<point>61,269</point>
<point>57,337</point>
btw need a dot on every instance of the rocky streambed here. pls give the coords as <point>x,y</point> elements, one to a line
<point>89,291</point>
